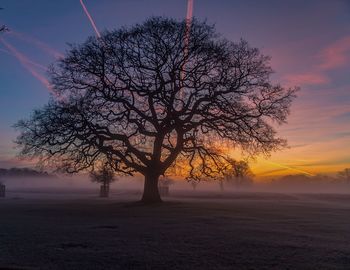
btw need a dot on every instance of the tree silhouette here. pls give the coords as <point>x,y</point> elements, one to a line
<point>194,183</point>
<point>164,185</point>
<point>344,175</point>
<point>238,173</point>
<point>104,176</point>
<point>138,98</point>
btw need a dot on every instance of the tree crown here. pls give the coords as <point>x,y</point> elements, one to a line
<point>143,98</point>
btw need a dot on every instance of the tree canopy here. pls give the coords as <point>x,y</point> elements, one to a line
<point>345,175</point>
<point>103,175</point>
<point>143,98</point>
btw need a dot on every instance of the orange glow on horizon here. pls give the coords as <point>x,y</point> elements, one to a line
<point>289,168</point>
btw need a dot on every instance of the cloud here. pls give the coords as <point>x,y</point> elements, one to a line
<point>38,43</point>
<point>299,145</point>
<point>35,64</point>
<point>335,55</point>
<point>272,172</point>
<point>292,168</point>
<point>26,63</point>
<point>14,162</point>
<point>311,78</point>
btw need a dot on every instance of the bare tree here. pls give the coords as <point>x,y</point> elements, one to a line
<point>194,183</point>
<point>104,176</point>
<point>2,190</point>
<point>164,185</point>
<point>238,173</point>
<point>234,172</point>
<point>166,181</point>
<point>136,97</point>
<point>344,175</point>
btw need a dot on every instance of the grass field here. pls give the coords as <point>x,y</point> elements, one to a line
<point>189,231</point>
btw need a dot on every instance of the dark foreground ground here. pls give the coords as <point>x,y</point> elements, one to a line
<point>237,231</point>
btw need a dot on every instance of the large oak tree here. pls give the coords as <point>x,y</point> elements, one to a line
<point>143,98</point>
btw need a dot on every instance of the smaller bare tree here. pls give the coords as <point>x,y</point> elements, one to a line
<point>104,176</point>
<point>166,181</point>
<point>164,185</point>
<point>2,189</point>
<point>344,175</point>
<point>237,173</point>
<point>196,175</point>
<point>194,183</point>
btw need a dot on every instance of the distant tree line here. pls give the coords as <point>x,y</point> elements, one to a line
<point>235,173</point>
<point>342,177</point>
<point>23,172</point>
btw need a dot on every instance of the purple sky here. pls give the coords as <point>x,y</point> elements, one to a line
<point>309,42</point>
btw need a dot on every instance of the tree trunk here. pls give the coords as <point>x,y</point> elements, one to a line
<point>104,190</point>
<point>107,189</point>
<point>150,191</point>
<point>221,185</point>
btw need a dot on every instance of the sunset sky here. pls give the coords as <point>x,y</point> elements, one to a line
<point>309,42</point>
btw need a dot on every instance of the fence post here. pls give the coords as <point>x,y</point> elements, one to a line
<point>2,190</point>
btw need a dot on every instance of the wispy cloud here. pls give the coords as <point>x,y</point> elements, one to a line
<point>35,64</point>
<point>336,55</point>
<point>292,168</point>
<point>38,43</point>
<point>311,78</point>
<point>333,56</point>
<point>15,162</point>
<point>27,64</point>
<point>272,172</point>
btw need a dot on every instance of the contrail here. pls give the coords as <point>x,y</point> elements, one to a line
<point>25,62</point>
<point>35,64</point>
<point>38,43</point>
<point>189,16</point>
<point>289,168</point>
<point>90,19</point>
<point>188,26</point>
<point>189,13</point>
<point>4,51</point>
